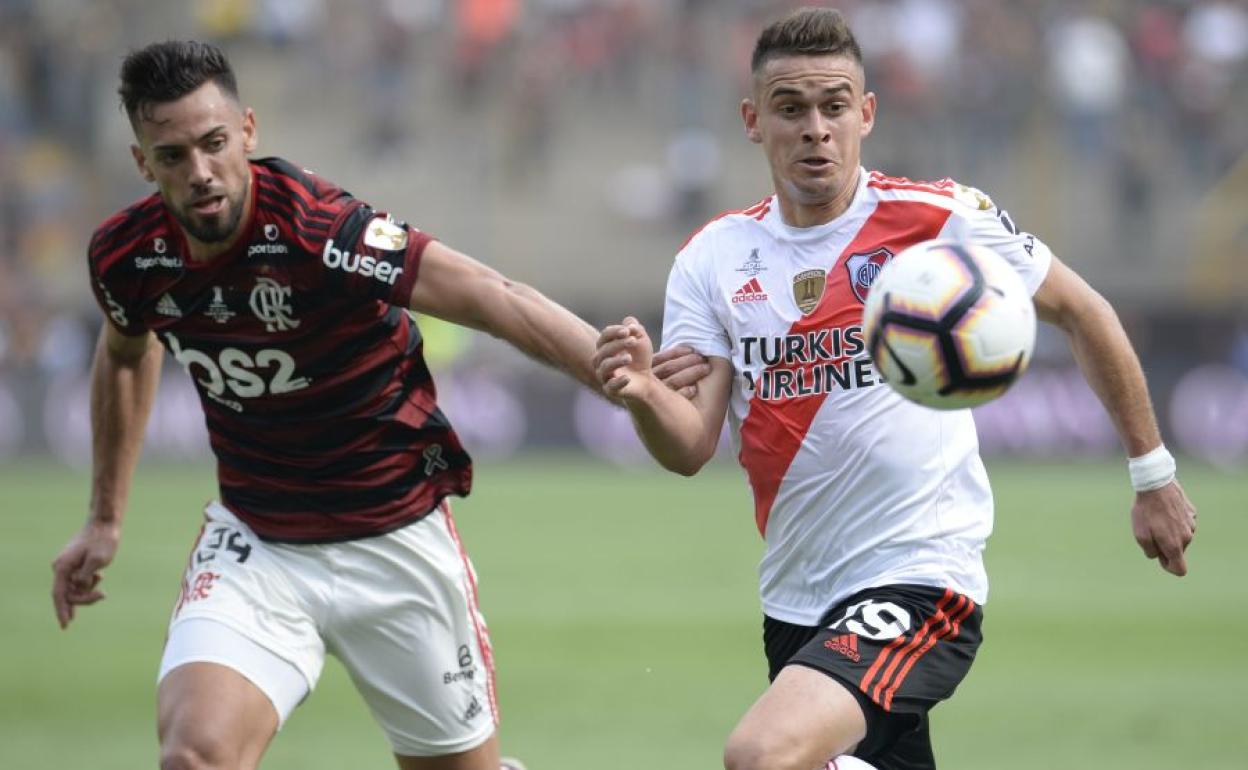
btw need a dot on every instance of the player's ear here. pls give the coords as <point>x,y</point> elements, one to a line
<point>250,138</point>
<point>749,115</point>
<point>140,160</point>
<point>868,114</point>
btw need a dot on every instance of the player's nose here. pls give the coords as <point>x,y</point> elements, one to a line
<point>201,169</point>
<point>816,129</point>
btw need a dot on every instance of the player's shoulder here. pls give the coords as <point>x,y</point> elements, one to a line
<point>947,193</point>
<point>141,226</point>
<point>278,182</point>
<point>728,224</point>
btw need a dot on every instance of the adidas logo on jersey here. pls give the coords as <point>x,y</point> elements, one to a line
<point>845,644</point>
<point>752,291</point>
<point>166,306</point>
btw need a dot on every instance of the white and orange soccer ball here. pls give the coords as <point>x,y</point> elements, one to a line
<point>949,325</point>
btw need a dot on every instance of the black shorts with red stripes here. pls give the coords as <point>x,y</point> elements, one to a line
<point>899,649</point>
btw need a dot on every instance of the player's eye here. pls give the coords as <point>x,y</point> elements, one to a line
<point>789,110</point>
<point>168,158</point>
<point>216,143</point>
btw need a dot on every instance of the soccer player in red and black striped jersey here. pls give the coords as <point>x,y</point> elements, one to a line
<point>286,299</point>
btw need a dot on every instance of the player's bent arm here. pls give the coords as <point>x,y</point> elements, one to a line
<point>679,432</point>
<point>1103,352</point>
<point>457,288</point>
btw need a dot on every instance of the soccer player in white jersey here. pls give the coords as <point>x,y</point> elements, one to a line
<point>874,510</point>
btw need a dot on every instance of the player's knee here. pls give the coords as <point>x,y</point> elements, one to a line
<point>198,755</point>
<point>756,751</point>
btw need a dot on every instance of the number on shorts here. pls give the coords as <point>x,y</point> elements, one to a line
<point>217,540</point>
<point>875,620</point>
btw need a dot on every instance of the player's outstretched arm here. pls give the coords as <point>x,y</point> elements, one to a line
<point>680,432</point>
<point>457,288</point>
<point>124,376</point>
<point>1163,519</point>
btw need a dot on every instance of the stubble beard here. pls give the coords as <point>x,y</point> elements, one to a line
<point>210,231</point>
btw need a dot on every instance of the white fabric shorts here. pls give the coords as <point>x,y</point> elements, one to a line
<point>398,610</point>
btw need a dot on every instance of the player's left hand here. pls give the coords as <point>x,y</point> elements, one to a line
<point>1164,522</point>
<point>681,368</point>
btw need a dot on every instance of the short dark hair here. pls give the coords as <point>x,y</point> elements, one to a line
<point>806,32</point>
<point>165,72</point>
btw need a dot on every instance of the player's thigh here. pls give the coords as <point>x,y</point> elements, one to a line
<point>900,650</point>
<point>263,592</point>
<point>482,757</point>
<point>211,716</point>
<point>802,719</point>
<point>241,651</point>
<point>414,641</point>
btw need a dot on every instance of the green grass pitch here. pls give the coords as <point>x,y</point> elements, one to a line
<point>623,608</point>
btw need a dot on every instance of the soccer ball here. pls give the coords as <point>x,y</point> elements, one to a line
<point>949,325</point>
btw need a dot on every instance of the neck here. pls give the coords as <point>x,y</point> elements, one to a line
<point>796,213</point>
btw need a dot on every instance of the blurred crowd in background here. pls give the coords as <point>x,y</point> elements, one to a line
<point>575,143</point>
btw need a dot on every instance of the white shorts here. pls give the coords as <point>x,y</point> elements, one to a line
<point>398,610</point>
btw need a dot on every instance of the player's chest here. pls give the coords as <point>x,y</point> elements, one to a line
<point>775,287</point>
<point>242,332</point>
<point>269,296</point>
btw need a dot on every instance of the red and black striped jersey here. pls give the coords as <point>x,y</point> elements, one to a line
<point>319,406</point>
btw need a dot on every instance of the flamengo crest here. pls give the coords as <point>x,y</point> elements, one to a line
<point>863,268</point>
<point>808,287</point>
<point>269,303</point>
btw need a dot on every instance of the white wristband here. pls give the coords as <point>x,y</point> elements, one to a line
<point>1153,470</point>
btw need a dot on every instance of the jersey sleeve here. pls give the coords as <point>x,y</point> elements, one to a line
<point>689,316</point>
<point>986,224</point>
<point>369,254</point>
<point>113,302</point>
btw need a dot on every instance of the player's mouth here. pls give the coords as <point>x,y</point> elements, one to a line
<point>213,204</point>
<point>815,163</point>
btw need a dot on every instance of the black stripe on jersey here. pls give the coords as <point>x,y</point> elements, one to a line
<point>292,212</point>
<point>291,198</point>
<point>340,500</point>
<point>106,258</point>
<point>314,443</point>
<point>307,464</point>
<point>305,223</point>
<point>105,243</point>
<point>311,471</point>
<point>139,213</point>
<point>314,188</point>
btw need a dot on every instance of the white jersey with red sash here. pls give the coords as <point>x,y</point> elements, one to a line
<point>853,485</point>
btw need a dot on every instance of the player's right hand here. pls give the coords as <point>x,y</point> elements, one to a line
<point>76,571</point>
<point>623,359</point>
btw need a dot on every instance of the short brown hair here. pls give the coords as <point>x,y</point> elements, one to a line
<point>165,72</point>
<point>806,32</point>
